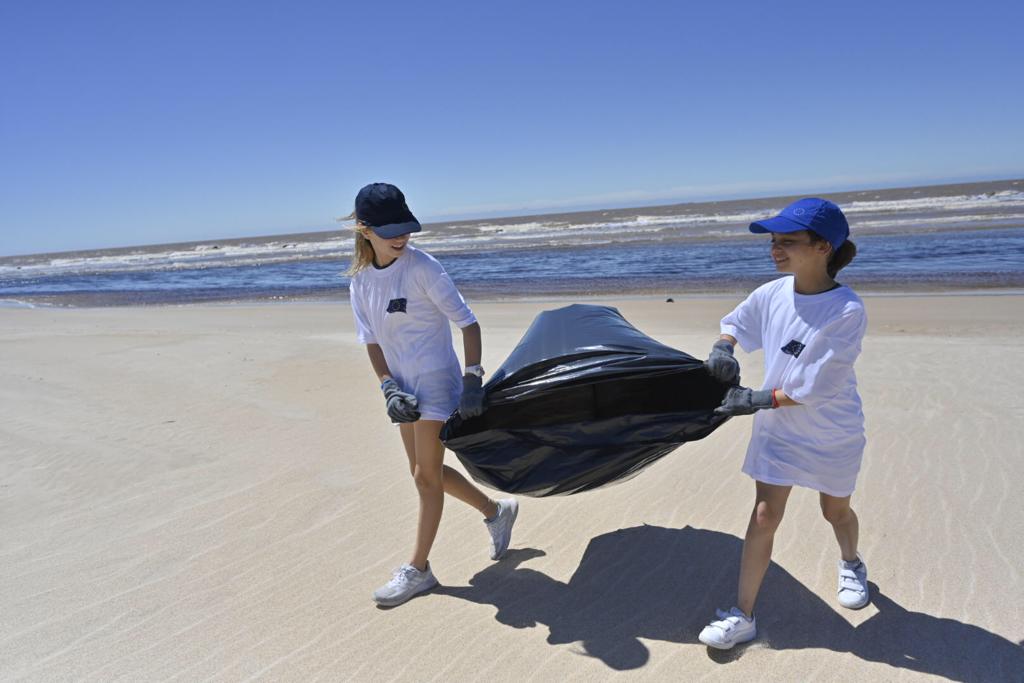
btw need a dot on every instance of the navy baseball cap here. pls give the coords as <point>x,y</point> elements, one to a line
<point>382,207</point>
<point>817,215</point>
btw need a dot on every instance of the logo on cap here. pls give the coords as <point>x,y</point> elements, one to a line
<point>818,215</point>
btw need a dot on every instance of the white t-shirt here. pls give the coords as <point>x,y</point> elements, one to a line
<point>405,308</point>
<point>810,342</point>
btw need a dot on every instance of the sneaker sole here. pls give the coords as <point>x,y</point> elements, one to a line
<point>515,515</point>
<point>861,605</point>
<point>729,646</point>
<point>395,602</point>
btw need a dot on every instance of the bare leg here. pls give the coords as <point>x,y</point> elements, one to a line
<point>844,523</point>
<point>757,546</point>
<point>409,442</point>
<point>434,479</point>
<point>458,486</point>
<point>455,484</point>
<point>427,473</point>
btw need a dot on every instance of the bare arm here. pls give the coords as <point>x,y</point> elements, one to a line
<point>380,366</point>
<point>471,403</point>
<point>472,345</point>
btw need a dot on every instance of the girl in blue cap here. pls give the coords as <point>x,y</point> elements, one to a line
<point>403,301</point>
<point>808,428</point>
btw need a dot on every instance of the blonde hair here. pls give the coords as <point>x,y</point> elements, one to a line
<point>362,252</point>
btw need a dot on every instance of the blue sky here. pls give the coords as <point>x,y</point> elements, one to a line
<point>128,123</point>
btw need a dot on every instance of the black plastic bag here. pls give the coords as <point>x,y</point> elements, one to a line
<point>584,400</point>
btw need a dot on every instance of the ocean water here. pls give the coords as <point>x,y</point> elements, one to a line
<point>916,239</point>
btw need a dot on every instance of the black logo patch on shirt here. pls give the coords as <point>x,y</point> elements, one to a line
<point>793,348</point>
<point>397,306</point>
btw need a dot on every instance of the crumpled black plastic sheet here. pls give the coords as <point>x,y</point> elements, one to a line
<point>583,401</point>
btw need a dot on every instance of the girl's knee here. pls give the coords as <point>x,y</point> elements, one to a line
<point>836,514</point>
<point>767,517</point>
<point>427,481</point>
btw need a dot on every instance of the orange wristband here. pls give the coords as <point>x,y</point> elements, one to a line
<point>775,401</point>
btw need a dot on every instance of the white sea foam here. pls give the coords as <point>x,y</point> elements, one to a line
<point>938,220</point>
<point>924,212</point>
<point>200,256</point>
<point>15,303</point>
<point>996,200</point>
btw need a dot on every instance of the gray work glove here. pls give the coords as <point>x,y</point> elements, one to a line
<point>721,364</point>
<point>471,403</point>
<point>744,401</point>
<point>401,404</point>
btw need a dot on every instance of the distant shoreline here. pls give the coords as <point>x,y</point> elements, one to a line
<point>433,227</point>
<point>908,241</point>
<point>133,300</point>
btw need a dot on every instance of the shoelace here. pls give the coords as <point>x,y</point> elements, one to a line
<point>403,574</point>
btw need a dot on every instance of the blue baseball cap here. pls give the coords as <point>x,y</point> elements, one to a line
<point>817,215</point>
<point>382,207</point>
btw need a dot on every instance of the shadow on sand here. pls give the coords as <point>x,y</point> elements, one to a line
<point>663,584</point>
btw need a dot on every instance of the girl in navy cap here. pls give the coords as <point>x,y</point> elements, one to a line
<point>808,428</point>
<point>403,301</point>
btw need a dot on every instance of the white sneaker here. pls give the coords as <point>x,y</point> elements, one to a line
<point>853,583</point>
<point>500,527</point>
<point>406,582</point>
<point>731,628</point>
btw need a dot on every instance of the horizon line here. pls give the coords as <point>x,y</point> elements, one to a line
<point>710,193</point>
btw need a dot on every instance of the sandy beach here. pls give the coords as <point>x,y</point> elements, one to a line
<point>213,492</point>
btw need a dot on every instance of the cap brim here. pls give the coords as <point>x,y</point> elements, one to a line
<point>777,224</point>
<point>393,230</point>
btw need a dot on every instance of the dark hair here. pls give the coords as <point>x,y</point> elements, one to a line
<point>839,258</point>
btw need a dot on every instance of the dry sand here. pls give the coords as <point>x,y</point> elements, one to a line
<point>213,492</point>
